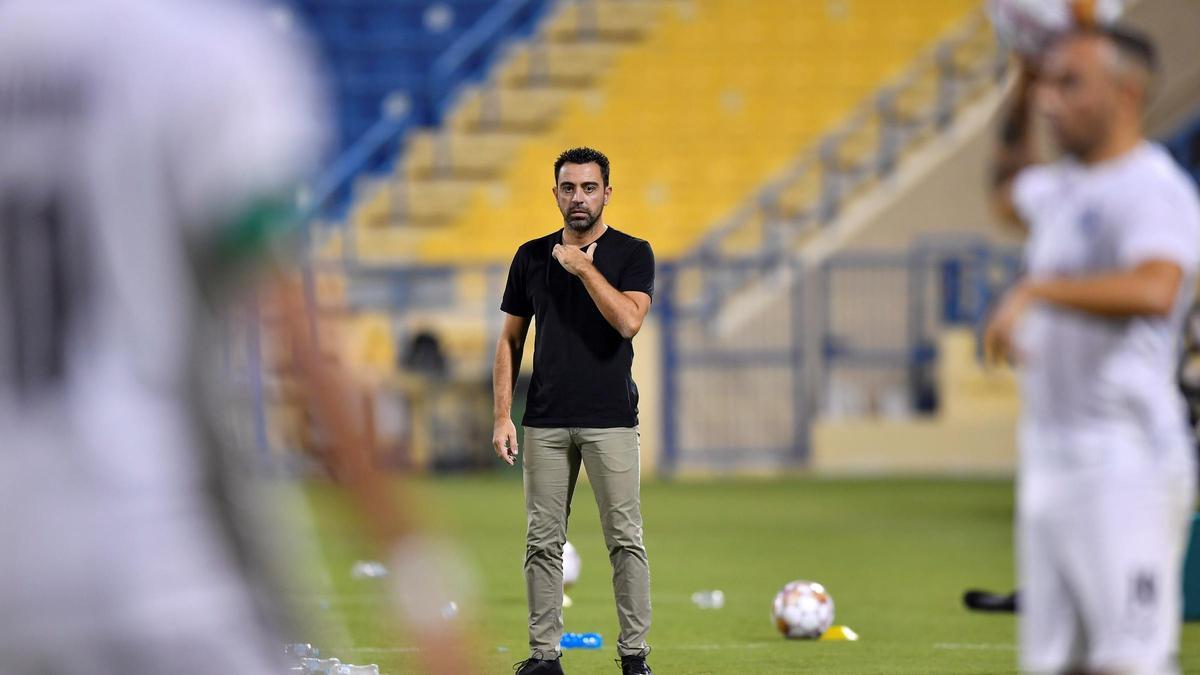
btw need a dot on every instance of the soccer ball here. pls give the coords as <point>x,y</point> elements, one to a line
<point>802,610</point>
<point>1029,26</point>
<point>571,565</point>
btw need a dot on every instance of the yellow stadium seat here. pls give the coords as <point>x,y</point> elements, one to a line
<point>715,98</point>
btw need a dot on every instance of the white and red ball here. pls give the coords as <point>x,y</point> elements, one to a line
<point>1029,26</point>
<point>802,610</point>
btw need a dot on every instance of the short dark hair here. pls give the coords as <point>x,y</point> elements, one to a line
<point>1130,43</point>
<point>582,155</point>
<point>1133,45</point>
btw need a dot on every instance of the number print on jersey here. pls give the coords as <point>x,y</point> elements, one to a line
<point>40,264</point>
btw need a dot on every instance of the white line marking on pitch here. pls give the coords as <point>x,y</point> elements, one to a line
<point>377,650</point>
<point>713,647</point>
<point>975,646</point>
<point>687,648</point>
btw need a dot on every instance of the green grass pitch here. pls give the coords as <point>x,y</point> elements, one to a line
<point>895,554</point>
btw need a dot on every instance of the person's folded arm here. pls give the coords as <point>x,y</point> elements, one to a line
<point>624,311</point>
<point>1148,289</point>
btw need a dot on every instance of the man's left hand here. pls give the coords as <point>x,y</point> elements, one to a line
<point>999,339</point>
<point>574,260</point>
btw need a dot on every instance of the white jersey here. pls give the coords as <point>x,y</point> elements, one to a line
<point>1099,391</point>
<point>130,130</point>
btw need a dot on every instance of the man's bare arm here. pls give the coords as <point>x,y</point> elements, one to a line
<point>1015,148</point>
<point>625,311</point>
<point>331,395</point>
<point>424,572</point>
<point>509,350</point>
<point>1149,289</point>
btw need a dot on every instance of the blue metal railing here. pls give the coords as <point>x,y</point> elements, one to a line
<point>472,53</point>
<point>466,59</point>
<point>333,189</point>
<point>889,320</point>
<point>403,288</point>
<point>684,356</point>
<point>966,274</point>
<point>395,289</point>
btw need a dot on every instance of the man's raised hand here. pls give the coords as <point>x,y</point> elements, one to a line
<point>573,259</point>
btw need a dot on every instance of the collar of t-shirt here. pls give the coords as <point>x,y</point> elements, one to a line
<point>1111,165</point>
<point>559,238</point>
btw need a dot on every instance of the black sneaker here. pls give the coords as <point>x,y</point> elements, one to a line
<point>538,667</point>
<point>635,665</point>
<point>985,601</point>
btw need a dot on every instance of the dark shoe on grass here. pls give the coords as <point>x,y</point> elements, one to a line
<point>634,665</point>
<point>539,667</point>
<point>986,601</point>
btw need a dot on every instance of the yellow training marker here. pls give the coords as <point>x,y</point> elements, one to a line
<point>839,633</point>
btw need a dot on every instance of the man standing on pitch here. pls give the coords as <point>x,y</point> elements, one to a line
<point>1107,474</point>
<point>589,286</point>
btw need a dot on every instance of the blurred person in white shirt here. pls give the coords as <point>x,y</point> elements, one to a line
<point>148,151</point>
<point>1107,467</point>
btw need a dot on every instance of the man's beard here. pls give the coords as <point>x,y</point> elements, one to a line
<point>1078,150</point>
<point>582,225</point>
<point>1080,146</point>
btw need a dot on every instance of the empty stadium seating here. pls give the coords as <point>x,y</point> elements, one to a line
<point>530,86</point>
<point>717,98</point>
<point>376,49</point>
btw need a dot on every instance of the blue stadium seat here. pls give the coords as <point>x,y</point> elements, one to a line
<point>375,48</point>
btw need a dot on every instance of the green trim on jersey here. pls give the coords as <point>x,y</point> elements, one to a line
<point>256,231</point>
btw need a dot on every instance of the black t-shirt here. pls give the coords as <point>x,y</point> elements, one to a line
<point>581,364</point>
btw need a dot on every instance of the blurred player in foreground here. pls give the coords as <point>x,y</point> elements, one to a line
<point>1107,476</point>
<point>143,148</point>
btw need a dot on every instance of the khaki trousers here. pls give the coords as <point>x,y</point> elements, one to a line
<point>551,468</point>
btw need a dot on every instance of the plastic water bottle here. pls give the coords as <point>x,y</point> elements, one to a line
<point>368,569</point>
<point>351,669</point>
<point>301,650</point>
<point>321,666</point>
<point>714,599</point>
<point>582,641</point>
